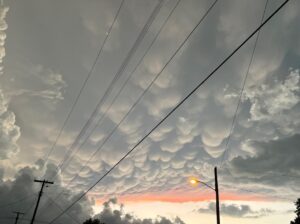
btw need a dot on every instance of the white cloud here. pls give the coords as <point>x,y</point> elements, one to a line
<point>9,131</point>
<point>50,84</point>
<point>113,212</point>
<point>270,100</point>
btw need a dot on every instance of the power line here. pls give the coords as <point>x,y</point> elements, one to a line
<point>173,55</point>
<point>141,96</point>
<point>99,122</point>
<point>60,208</point>
<point>235,116</point>
<point>84,83</point>
<point>177,106</point>
<point>115,79</point>
<point>121,69</point>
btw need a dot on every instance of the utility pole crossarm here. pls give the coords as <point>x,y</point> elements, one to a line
<point>44,181</point>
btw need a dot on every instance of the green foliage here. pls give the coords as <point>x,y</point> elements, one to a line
<point>297,211</point>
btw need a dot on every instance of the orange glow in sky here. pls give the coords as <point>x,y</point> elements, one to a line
<point>181,197</point>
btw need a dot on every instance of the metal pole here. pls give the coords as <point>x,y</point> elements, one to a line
<point>39,198</point>
<point>217,196</point>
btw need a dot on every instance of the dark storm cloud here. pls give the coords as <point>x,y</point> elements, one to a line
<point>24,190</point>
<point>111,214</point>
<point>238,211</point>
<point>275,162</point>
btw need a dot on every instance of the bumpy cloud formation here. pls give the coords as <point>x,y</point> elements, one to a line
<point>233,210</point>
<point>9,131</point>
<point>118,216</point>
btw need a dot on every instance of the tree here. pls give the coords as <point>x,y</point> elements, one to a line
<point>297,211</point>
<point>92,221</point>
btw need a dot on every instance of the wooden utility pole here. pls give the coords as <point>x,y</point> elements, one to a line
<point>44,182</point>
<point>17,216</point>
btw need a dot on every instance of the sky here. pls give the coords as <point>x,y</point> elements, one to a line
<point>81,82</point>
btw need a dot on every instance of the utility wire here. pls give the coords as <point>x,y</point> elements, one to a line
<point>176,107</point>
<point>144,92</point>
<point>173,55</point>
<point>84,83</point>
<point>115,79</point>
<point>235,116</point>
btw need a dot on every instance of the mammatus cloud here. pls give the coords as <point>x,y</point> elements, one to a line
<point>269,110</point>
<point>238,211</point>
<point>111,214</point>
<point>185,144</point>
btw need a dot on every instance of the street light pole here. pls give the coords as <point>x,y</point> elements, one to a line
<point>194,181</point>
<point>217,196</point>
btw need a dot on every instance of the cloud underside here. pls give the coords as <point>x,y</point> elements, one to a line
<point>193,139</point>
<point>185,146</point>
